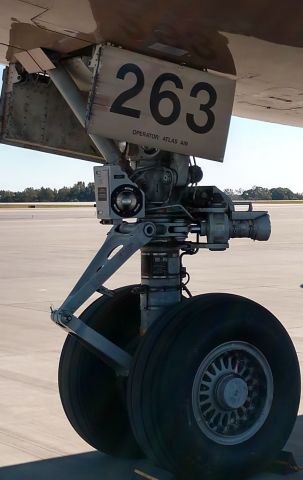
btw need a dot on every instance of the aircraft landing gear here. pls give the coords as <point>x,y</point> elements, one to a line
<point>198,384</point>
<point>207,387</point>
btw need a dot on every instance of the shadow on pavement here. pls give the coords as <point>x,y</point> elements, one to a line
<point>95,466</point>
<point>83,466</point>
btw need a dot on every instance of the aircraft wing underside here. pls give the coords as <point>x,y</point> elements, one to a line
<point>261,42</point>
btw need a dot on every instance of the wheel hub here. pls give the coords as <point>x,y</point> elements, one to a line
<point>232,393</point>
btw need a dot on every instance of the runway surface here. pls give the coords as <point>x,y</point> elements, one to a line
<point>42,254</point>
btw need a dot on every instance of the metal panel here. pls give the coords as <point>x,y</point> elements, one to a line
<point>33,114</point>
<point>156,103</point>
<point>28,62</point>
<point>34,61</point>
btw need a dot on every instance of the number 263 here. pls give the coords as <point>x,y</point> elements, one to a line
<point>156,96</point>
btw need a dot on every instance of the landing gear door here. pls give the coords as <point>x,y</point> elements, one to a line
<point>152,102</point>
<point>34,115</point>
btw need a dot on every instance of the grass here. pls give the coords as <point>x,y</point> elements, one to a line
<point>45,205</point>
<point>79,204</point>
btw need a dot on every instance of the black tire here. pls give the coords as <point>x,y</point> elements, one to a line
<point>160,387</point>
<point>92,395</point>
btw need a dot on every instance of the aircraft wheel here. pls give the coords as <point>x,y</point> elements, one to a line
<point>215,388</point>
<point>92,395</point>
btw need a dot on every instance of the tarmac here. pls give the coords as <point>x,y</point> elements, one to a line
<point>42,254</point>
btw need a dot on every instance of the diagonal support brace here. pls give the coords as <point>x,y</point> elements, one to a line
<point>107,262</point>
<point>113,355</point>
<point>130,238</point>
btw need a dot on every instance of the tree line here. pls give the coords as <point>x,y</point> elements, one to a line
<point>261,193</point>
<point>80,192</point>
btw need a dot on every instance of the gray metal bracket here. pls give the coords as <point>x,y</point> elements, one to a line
<point>106,262</point>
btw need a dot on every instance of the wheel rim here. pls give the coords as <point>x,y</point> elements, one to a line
<point>232,393</point>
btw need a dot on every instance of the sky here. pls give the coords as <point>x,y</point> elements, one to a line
<point>257,153</point>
